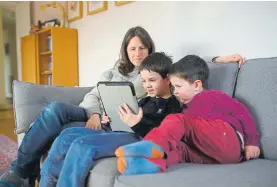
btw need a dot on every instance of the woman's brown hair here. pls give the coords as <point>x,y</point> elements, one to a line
<point>126,65</point>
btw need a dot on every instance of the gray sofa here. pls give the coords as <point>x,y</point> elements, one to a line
<point>254,85</point>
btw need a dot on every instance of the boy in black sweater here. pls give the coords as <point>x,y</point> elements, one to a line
<point>68,165</point>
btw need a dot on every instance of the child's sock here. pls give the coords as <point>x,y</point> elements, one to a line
<point>136,165</point>
<point>140,149</point>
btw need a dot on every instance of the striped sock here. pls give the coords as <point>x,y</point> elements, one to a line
<point>136,165</point>
<point>145,149</point>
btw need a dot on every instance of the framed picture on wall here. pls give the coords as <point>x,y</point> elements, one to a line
<point>94,7</point>
<point>120,3</point>
<point>51,23</point>
<point>74,10</point>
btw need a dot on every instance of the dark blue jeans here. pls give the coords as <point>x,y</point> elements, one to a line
<point>73,153</point>
<point>55,117</point>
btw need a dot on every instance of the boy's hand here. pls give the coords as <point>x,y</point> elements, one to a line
<point>251,151</point>
<point>94,122</point>
<point>127,116</point>
<point>105,119</point>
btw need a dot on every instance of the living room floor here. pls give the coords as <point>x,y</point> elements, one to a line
<point>7,123</point>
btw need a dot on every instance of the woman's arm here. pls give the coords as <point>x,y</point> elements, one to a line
<point>91,102</point>
<point>226,59</point>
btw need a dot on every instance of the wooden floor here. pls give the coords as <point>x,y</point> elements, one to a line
<point>7,124</point>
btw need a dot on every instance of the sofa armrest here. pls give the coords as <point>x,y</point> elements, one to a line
<point>29,99</point>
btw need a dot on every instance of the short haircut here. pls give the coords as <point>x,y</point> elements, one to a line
<point>157,62</point>
<point>191,68</point>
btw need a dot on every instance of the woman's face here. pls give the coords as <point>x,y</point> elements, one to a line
<point>137,52</point>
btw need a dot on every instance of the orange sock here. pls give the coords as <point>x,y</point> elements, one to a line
<point>119,152</point>
<point>140,149</point>
<point>121,165</point>
<point>137,165</point>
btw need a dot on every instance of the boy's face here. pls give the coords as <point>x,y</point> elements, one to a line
<point>185,90</point>
<point>154,84</point>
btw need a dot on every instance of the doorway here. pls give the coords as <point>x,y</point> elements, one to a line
<point>9,54</point>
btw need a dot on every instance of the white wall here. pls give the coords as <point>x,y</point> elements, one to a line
<point>10,60</point>
<point>23,24</point>
<point>178,28</point>
<point>7,64</point>
<point>48,14</point>
<point>2,67</point>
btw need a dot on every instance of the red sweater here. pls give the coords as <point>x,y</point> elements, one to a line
<point>212,104</point>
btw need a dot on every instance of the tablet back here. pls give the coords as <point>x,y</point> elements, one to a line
<point>112,95</point>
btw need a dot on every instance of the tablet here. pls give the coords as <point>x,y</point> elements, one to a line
<point>112,95</point>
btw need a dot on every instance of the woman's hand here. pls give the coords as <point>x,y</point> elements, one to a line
<point>127,116</point>
<point>105,119</point>
<point>251,151</point>
<point>231,58</point>
<point>94,122</point>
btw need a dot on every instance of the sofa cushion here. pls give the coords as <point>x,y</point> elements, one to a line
<point>257,89</point>
<point>223,77</point>
<point>29,99</point>
<point>103,173</point>
<point>254,173</point>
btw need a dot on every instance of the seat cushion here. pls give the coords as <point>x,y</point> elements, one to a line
<point>257,89</point>
<point>255,173</point>
<point>103,173</point>
<point>29,99</point>
<point>223,77</point>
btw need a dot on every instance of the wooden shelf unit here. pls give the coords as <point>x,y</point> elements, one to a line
<point>55,45</point>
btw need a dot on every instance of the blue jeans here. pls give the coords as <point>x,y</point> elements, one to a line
<point>55,117</point>
<point>73,154</point>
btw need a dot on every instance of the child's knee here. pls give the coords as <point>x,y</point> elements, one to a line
<point>68,131</point>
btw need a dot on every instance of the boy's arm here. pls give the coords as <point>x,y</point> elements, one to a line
<point>249,127</point>
<point>174,106</point>
<point>148,122</point>
<point>145,125</point>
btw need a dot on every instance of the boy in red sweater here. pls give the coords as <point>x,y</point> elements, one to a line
<point>213,128</point>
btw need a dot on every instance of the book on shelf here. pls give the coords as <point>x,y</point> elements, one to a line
<point>49,79</point>
<point>49,43</point>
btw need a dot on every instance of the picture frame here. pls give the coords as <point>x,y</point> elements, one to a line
<point>74,10</point>
<point>51,23</point>
<point>120,3</point>
<point>94,7</point>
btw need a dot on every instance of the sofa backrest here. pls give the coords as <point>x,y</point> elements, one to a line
<point>29,99</point>
<point>257,89</point>
<point>223,77</point>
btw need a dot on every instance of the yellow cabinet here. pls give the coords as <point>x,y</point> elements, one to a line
<point>50,57</point>
<point>28,57</point>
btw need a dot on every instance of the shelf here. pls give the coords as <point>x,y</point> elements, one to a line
<point>46,73</point>
<point>45,30</point>
<point>46,53</point>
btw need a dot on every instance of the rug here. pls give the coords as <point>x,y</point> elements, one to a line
<point>8,152</point>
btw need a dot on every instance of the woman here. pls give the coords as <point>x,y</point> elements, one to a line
<point>136,46</point>
<point>56,116</point>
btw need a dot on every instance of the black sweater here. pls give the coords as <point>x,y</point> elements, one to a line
<point>154,111</point>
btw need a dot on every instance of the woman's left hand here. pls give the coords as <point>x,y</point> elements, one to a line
<point>127,116</point>
<point>231,58</point>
